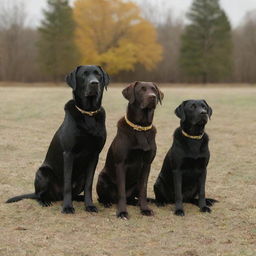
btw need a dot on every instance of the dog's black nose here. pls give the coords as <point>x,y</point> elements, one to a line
<point>152,96</point>
<point>94,82</point>
<point>203,112</point>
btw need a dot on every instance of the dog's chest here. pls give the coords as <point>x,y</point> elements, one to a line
<point>136,161</point>
<point>191,166</point>
<point>91,127</point>
<point>86,144</point>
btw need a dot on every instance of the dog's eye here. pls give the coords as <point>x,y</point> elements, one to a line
<point>96,73</point>
<point>143,88</point>
<point>153,89</point>
<point>203,106</point>
<point>86,73</point>
<point>193,106</point>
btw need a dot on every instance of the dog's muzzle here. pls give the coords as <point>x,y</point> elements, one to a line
<point>203,118</point>
<point>151,100</point>
<point>92,88</point>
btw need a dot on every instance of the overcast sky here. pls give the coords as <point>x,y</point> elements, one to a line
<point>235,9</point>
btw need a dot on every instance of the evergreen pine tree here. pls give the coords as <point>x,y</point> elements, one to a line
<point>58,53</point>
<point>206,50</point>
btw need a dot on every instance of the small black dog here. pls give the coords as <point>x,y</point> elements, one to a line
<point>70,162</point>
<point>183,174</point>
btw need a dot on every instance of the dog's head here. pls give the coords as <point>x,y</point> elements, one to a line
<point>144,94</point>
<point>194,112</point>
<point>88,81</point>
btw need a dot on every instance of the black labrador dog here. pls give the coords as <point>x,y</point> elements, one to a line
<point>125,174</point>
<point>183,174</point>
<point>72,156</point>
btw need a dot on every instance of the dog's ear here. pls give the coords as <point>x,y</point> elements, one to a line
<point>129,92</point>
<point>106,78</point>
<point>160,95</point>
<point>179,111</point>
<point>71,78</point>
<point>209,109</point>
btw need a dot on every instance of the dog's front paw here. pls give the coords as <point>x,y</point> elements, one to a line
<point>179,212</point>
<point>122,215</point>
<point>91,208</point>
<point>205,209</point>
<point>147,212</point>
<point>68,210</point>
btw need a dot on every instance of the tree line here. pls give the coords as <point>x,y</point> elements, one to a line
<point>131,41</point>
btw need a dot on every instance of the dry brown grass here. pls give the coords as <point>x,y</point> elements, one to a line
<point>29,118</point>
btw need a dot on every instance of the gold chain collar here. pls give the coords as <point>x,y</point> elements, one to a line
<point>89,113</point>
<point>137,127</point>
<point>198,137</point>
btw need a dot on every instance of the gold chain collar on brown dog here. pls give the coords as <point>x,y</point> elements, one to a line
<point>89,113</point>
<point>137,127</point>
<point>198,137</point>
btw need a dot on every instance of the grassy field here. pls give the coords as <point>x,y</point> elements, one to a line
<point>29,118</point>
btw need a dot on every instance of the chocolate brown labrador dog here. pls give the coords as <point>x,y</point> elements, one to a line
<point>125,175</point>
<point>183,174</point>
<point>71,159</point>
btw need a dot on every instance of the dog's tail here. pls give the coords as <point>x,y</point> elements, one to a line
<point>25,196</point>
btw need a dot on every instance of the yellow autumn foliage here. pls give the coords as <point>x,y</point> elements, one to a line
<point>112,33</point>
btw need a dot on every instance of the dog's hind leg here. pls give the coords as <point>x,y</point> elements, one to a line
<point>106,200</point>
<point>44,188</point>
<point>107,197</point>
<point>209,201</point>
<point>160,200</point>
<point>107,192</point>
<point>41,194</point>
<point>44,193</point>
<point>132,195</point>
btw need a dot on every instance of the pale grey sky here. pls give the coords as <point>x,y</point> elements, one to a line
<point>235,9</point>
